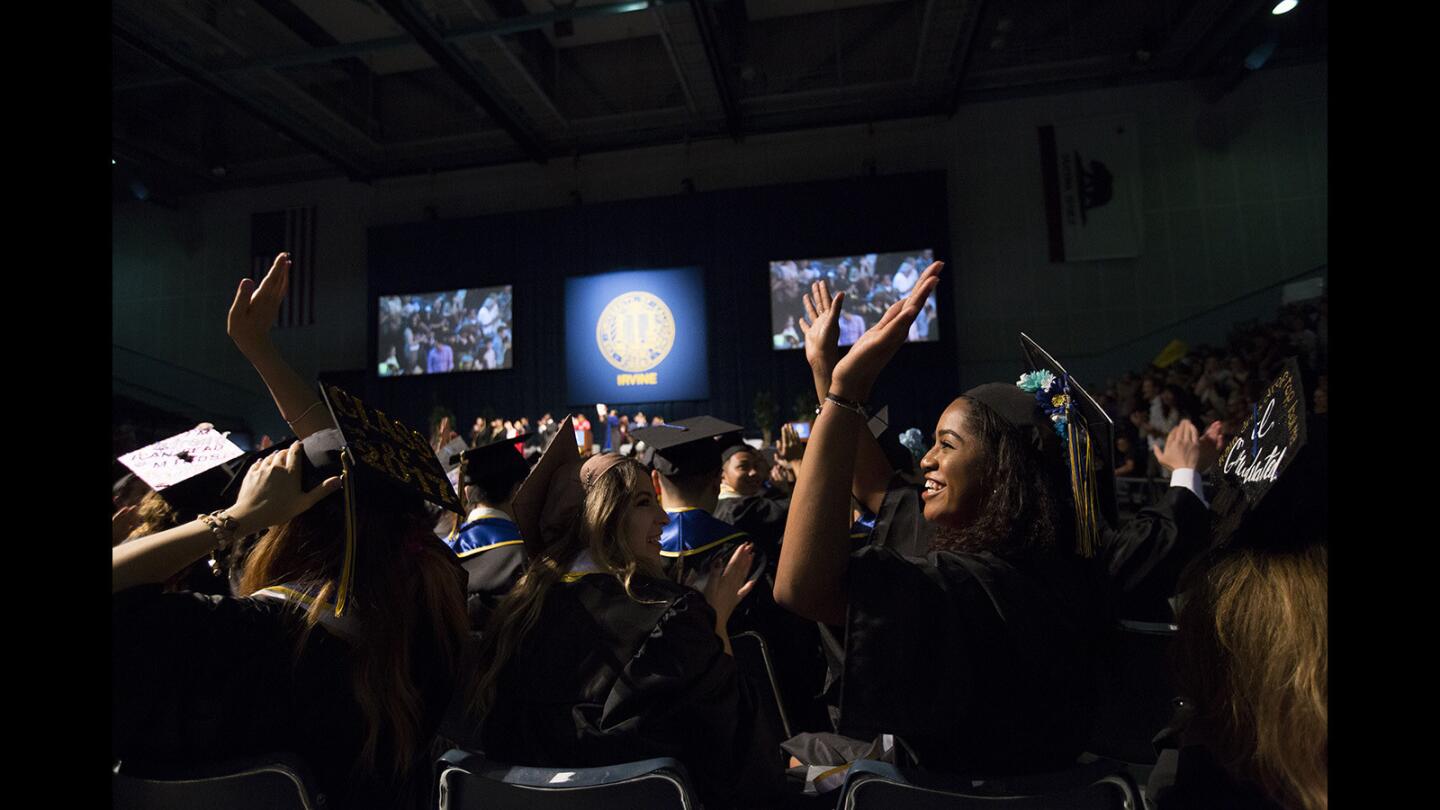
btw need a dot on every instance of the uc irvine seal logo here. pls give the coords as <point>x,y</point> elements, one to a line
<point>635,331</point>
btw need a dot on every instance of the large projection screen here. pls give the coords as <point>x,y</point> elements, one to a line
<point>871,283</point>
<point>447,331</point>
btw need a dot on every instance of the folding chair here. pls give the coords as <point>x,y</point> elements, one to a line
<point>279,781</point>
<point>468,781</point>
<point>1101,785</point>
<point>752,655</point>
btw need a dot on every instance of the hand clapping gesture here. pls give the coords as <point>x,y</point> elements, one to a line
<point>821,328</point>
<point>1187,447</point>
<point>856,372</point>
<point>725,588</point>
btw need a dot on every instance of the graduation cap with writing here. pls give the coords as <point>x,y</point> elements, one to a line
<point>190,470</point>
<point>1057,416</point>
<point>686,446</point>
<point>367,442</point>
<point>1274,490</point>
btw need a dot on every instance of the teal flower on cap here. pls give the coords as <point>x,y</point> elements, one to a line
<point>1033,381</point>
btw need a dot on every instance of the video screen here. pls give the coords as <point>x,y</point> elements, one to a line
<point>441,332</point>
<point>871,283</point>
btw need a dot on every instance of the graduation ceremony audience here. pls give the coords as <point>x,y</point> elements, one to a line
<point>944,601</point>
<point>598,657</point>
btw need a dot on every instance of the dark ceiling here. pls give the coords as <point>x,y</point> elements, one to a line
<point>212,94</point>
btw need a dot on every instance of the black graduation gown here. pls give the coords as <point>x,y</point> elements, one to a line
<point>1193,780</point>
<point>760,516</point>
<point>490,574</point>
<point>198,679</point>
<point>981,664</point>
<point>1140,561</point>
<point>604,679</point>
<point>1144,558</point>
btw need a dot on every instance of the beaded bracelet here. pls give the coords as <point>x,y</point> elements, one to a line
<point>221,525</point>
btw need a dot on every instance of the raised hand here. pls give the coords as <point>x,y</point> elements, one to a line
<point>1186,447</point>
<point>856,372</point>
<point>271,494</point>
<point>821,328</point>
<point>725,588</point>
<point>255,309</point>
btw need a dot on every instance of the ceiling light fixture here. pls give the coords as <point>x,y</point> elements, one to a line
<point>1284,6</point>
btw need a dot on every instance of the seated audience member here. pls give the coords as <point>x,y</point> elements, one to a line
<point>745,504</point>
<point>684,463</point>
<point>1130,459</point>
<point>1251,656</point>
<point>346,647</point>
<point>996,622</point>
<point>488,543</point>
<point>597,658</point>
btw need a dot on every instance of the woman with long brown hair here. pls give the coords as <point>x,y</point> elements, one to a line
<point>344,645</point>
<point>597,658</point>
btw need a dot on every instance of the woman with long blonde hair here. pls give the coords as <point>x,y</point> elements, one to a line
<point>1253,640</point>
<point>597,658</point>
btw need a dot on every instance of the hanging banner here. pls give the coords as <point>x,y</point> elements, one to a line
<point>1091,170</point>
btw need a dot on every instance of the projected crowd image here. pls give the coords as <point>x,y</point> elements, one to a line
<point>871,283</point>
<point>440,332</point>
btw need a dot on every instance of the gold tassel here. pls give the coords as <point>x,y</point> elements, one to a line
<point>1082,482</point>
<point>347,564</point>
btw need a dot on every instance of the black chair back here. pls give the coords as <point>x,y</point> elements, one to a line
<point>881,786</point>
<point>752,655</point>
<point>468,781</point>
<point>1136,693</point>
<point>276,781</point>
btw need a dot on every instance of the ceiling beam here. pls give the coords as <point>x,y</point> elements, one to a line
<point>710,37</point>
<point>195,73</point>
<point>448,56</point>
<point>964,45</point>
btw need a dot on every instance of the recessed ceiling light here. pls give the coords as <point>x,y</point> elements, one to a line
<point>1284,6</point>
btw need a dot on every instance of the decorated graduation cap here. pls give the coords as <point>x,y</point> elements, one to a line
<point>686,446</point>
<point>1059,418</point>
<point>365,441</point>
<point>190,470</point>
<point>551,495</point>
<point>1274,489</point>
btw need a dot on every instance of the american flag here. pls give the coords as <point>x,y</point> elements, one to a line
<point>292,230</point>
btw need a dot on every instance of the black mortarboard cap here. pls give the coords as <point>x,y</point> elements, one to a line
<point>497,466</point>
<point>687,446</point>
<point>1274,489</point>
<point>1092,419</point>
<point>190,470</point>
<point>1064,423</point>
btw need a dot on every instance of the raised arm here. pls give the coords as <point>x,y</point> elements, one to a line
<point>822,352</point>
<point>810,580</point>
<point>251,316</point>
<point>269,496</point>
